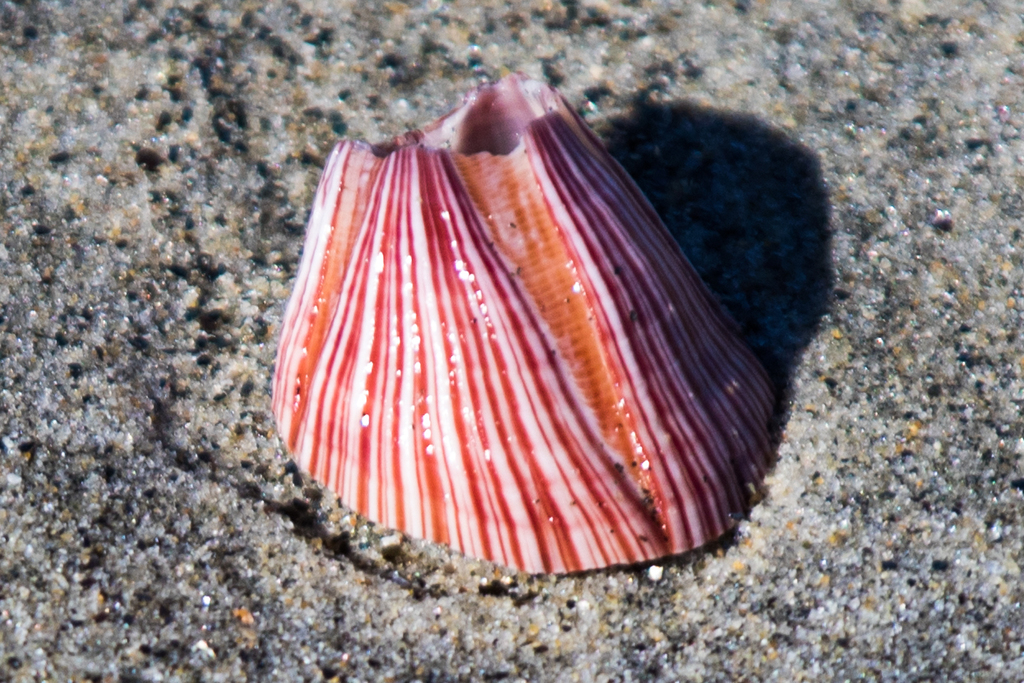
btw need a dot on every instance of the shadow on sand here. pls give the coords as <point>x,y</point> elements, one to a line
<point>749,208</point>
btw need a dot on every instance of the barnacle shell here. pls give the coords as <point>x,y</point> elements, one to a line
<point>493,342</point>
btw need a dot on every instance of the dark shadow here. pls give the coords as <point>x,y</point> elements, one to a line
<point>749,208</point>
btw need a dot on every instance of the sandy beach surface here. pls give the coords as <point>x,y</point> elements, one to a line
<point>848,178</point>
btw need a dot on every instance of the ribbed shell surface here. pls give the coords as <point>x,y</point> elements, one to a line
<point>509,354</point>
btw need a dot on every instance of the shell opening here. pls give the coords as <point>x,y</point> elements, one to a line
<point>494,122</point>
<point>492,118</point>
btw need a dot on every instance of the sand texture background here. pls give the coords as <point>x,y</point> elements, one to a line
<point>847,177</point>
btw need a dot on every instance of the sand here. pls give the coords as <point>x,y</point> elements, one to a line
<point>847,179</point>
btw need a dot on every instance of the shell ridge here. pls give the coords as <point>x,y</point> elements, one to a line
<point>624,454</point>
<point>598,479</point>
<point>376,439</point>
<point>289,354</point>
<point>400,480</point>
<point>525,419</point>
<point>477,506</point>
<point>506,405</point>
<point>721,456</point>
<point>736,368</point>
<point>445,526</point>
<point>308,454</point>
<point>505,296</point>
<point>460,232</point>
<point>467,502</point>
<point>336,371</point>
<point>554,168</point>
<point>708,434</point>
<point>306,376</point>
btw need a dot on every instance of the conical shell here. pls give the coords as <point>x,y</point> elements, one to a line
<point>493,342</point>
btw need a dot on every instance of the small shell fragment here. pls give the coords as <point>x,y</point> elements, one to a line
<point>494,343</point>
